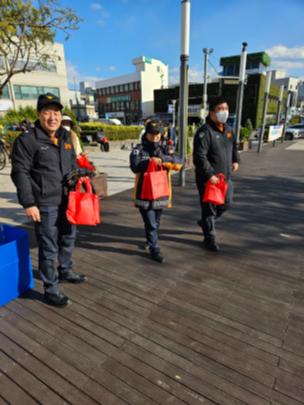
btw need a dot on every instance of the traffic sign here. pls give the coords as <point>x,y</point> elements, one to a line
<point>170,109</point>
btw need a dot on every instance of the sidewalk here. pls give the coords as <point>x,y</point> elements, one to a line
<point>206,328</point>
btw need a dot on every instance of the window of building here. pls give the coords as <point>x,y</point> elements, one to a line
<point>113,106</point>
<point>158,68</point>
<point>5,94</point>
<point>136,86</point>
<point>112,90</point>
<point>290,86</point>
<point>116,89</point>
<point>139,104</point>
<point>33,92</point>
<point>125,87</point>
<point>117,106</point>
<point>122,105</point>
<point>103,92</point>
<point>139,85</point>
<point>101,107</point>
<point>127,105</point>
<point>136,105</point>
<point>131,86</point>
<point>132,105</point>
<point>121,88</point>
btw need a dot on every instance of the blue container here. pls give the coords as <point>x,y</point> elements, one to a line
<point>16,275</point>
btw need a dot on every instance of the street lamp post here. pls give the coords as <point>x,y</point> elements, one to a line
<point>268,79</point>
<point>205,95</point>
<point>279,105</point>
<point>240,94</point>
<point>173,111</point>
<point>286,114</point>
<point>183,105</point>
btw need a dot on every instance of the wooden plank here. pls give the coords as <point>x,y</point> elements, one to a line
<point>40,371</point>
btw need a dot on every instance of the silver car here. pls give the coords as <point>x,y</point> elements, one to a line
<point>299,127</point>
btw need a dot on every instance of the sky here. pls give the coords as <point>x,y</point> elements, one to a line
<point>116,31</point>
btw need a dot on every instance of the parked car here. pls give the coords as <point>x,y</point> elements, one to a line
<point>300,127</point>
<point>290,134</point>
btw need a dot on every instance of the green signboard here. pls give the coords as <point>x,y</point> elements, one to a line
<point>118,99</point>
<point>148,60</point>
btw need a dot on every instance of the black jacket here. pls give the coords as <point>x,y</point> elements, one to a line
<point>214,151</point>
<point>39,167</point>
<point>139,162</point>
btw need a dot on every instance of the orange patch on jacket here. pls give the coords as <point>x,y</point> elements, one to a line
<point>229,135</point>
<point>67,146</point>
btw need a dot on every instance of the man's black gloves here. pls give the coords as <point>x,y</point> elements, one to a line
<point>73,177</point>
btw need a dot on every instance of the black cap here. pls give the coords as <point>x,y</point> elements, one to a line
<point>153,126</point>
<point>46,99</point>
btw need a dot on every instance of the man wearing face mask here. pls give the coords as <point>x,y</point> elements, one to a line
<point>215,151</point>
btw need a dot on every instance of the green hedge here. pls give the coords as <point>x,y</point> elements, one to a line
<point>112,132</point>
<point>10,136</point>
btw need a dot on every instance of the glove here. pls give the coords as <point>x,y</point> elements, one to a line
<point>73,177</point>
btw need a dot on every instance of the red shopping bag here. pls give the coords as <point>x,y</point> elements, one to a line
<point>83,208</point>
<point>155,183</point>
<point>215,193</point>
<point>83,163</point>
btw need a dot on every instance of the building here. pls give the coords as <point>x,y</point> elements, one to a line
<point>25,88</point>
<point>131,97</point>
<point>252,103</point>
<point>256,63</point>
<point>291,84</point>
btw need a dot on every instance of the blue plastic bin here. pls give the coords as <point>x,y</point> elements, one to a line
<point>16,275</point>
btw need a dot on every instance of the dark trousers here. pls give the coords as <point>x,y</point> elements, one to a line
<point>56,239</point>
<point>151,220</point>
<point>211,212</point>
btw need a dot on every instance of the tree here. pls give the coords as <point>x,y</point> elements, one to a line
<point>27,34</point>
<point>249,126</point>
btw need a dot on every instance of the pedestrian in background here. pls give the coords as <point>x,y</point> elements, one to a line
<point>144,129</point>
<point>215,151</point>
<point>152,148</point>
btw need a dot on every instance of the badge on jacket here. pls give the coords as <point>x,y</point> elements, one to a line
<point>229,135</point>
<point>135,152</point>
<point>201,134</point>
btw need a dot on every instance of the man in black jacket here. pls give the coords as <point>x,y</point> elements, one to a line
<point>42,158</point>
<point>215,151</point>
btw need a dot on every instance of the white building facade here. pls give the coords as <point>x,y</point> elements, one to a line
<point>24,89</point>
<point>131,97</point>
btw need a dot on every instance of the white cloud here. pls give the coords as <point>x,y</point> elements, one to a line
<point>286,64</point>
<point>112,68</point>
<point>95,5</point>
<point>101,22</point>
<point>98,69</point>
<point>195,74</point>
<point>282,52</point>
<point>79,77</point>
<point>174,70</point>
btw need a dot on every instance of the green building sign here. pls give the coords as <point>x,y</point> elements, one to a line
<point>118,99</point>
<point>148,60</point>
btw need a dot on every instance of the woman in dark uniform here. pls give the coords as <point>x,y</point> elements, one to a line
<point>152,148</point>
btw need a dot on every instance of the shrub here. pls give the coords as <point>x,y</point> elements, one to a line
<point>188,146</point>
<point>19,115</point>
<point>10,136</point>
<point>249,126</point>
<point>244,134</point>
<point>112,132</point>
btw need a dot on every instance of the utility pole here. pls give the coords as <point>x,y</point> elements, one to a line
<point>78,109</point>
<point>205,95</point>
<point>240,94</point>
<point>183,105</point>
<point>286,114</point>
<point>268,79</point>
<point>280,104</point>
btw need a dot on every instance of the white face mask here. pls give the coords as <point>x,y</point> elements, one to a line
<point>222,116</point>
<point>66,127</point>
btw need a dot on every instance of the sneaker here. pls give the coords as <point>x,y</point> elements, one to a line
<point>158,257</point>
<point>58,299</point>
<point>72,277</point>
<point>211,245</point>
<point>146,246</point>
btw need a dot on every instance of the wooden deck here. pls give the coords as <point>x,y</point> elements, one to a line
<point>202,328</point>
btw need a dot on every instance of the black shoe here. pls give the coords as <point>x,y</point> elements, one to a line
<point>211,245</point>
<point>146,246</point>
<point>58,299</point>
<point>158,257</point>
<point>72,277</point>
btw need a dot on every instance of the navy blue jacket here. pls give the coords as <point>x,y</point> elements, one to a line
<point>39,167</point>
